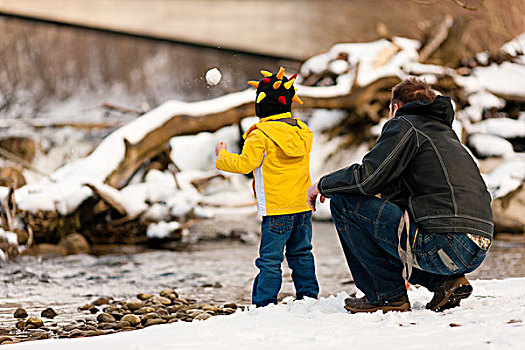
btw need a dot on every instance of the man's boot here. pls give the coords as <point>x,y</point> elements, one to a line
<point>450,293</point>
<point>355,305</point>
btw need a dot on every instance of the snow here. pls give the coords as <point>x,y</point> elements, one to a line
<point>491,318</point>
<point>490,145</point>
<point>213,76</point>
<point>162,229</point>
<point>503,127</point>
<point>507,177</point>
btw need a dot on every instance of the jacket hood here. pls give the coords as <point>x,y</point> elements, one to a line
<point>294,141</point>
<point>440,109</point>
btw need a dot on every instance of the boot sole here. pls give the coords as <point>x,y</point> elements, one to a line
<point>401,308</point>
<point>453,298</point>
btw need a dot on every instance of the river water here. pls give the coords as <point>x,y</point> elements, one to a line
<point>209,271</point>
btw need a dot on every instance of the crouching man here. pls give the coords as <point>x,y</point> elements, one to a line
<point>432,222</point>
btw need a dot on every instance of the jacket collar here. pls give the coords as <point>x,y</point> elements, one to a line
<point>440,109</point>
<point>276,116</point>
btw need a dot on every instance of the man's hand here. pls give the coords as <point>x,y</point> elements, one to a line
<point>220,146</point>
<point>313,191</point>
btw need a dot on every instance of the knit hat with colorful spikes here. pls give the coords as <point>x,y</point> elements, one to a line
<point>275,94</point>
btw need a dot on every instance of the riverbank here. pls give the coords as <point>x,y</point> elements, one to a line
<point>216,272</point>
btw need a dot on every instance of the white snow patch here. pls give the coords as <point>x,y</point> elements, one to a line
<point>162,229</point>
<point>491,145</point>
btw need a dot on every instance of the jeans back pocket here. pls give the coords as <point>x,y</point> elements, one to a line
<point>280,224</point>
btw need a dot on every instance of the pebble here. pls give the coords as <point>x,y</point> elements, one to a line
<point>149,316</point>
<point>102,301</point>
<point>20,313</point>
<point>5,339</point>
<point>162,300</point>
<point>134,304</point>
<point>93,310</point>
<point>107,325</point>
<point>104,317</point>
<point>168,292</point>
<point>48,313</point>
<point>154,321</point>
<point>203,316</point>
<point>123,324</point>
<point>132,319</point>
<point>231,306</point>
<point>144,296</point>
<point>35,321</point>
<point>144,310</point>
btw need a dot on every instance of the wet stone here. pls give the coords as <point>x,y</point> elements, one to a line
<point>134,304</point>
<point>93,310</point>
<point>107,325</point>
<point>4,331</point>
<point>173,309</point>
<point>144,296</point>
<point>104,318</point>
<point>162,300</point>
<point>35,321</point>
<point>154,321</point>
<point>169,292</point>
<point>111,309</point>
<point>203,316</point>
<point>147,317</point>
<point>5,339</point>
<point>20,313</point>
<point>48,313</point>
<point>144,310</point>
<point>228,311</point>
<point>102,301</point>
<point>133,320</point>
<point>231,306</point>
<point>123,324</point>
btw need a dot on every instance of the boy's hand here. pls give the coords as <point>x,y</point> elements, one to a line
<point>313,191</point>
<point>220,146</point>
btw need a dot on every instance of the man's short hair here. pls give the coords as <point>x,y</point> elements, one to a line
<point>412,89</point>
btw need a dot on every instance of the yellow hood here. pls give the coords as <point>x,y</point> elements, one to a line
<point>294,141</point>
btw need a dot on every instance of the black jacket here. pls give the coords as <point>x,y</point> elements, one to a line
<point>420,165</point>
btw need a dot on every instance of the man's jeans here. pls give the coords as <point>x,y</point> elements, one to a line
<point>367,228</point>
<point>294,232</point>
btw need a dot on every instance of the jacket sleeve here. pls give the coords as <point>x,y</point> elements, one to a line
<point>383,164</point>
<point>250,158</point>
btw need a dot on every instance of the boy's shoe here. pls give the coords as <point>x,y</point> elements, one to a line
<point>355,305</point>
<point>450,293</point>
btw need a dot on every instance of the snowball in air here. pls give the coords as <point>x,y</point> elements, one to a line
<point>213,76</point>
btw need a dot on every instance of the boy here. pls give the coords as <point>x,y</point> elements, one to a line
<point>277,150</point>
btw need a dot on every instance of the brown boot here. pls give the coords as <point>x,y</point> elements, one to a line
<point>355,305</point>
<point>450,293</point>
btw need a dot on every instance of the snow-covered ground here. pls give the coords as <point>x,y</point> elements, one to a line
<point>492,318</point>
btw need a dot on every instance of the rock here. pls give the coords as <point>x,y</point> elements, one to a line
<point>202,316</point>
<point>154,321</point>
<point>193,312</point>
<point>227,311</point>
<point>173,320</point>
<point>48,313</point>
<point>70,327</point>
<point>105,318</point>
<point>174,308</point>
<point>123,324</point>
<point>38,334</point>
<point>144,310</point>
<point>107,325</point>
<point>35,321</point>
<point>162,300</point>
<point>134,304</point>
<point>3,339</point>
<point>20,313</point>
<point>133,320</point>
<point>147,317</point>
<point>22,235</point>
<point>111,309</point>
<point>168,293</point>
<point>12,176</point>
<point>5,331</point>
<point>45,249</point>
<point>102,300</point>
<point>144,296</point>
<point>75,243</point>
<point>210,309</point>
<point>508,212</point>
<point>231,306</point>
<point>94,310</point>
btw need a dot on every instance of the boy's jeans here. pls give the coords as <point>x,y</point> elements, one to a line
<point>293,231</point>
<point>367,228</point>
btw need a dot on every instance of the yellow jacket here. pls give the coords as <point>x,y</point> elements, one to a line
<point>278,154</point>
